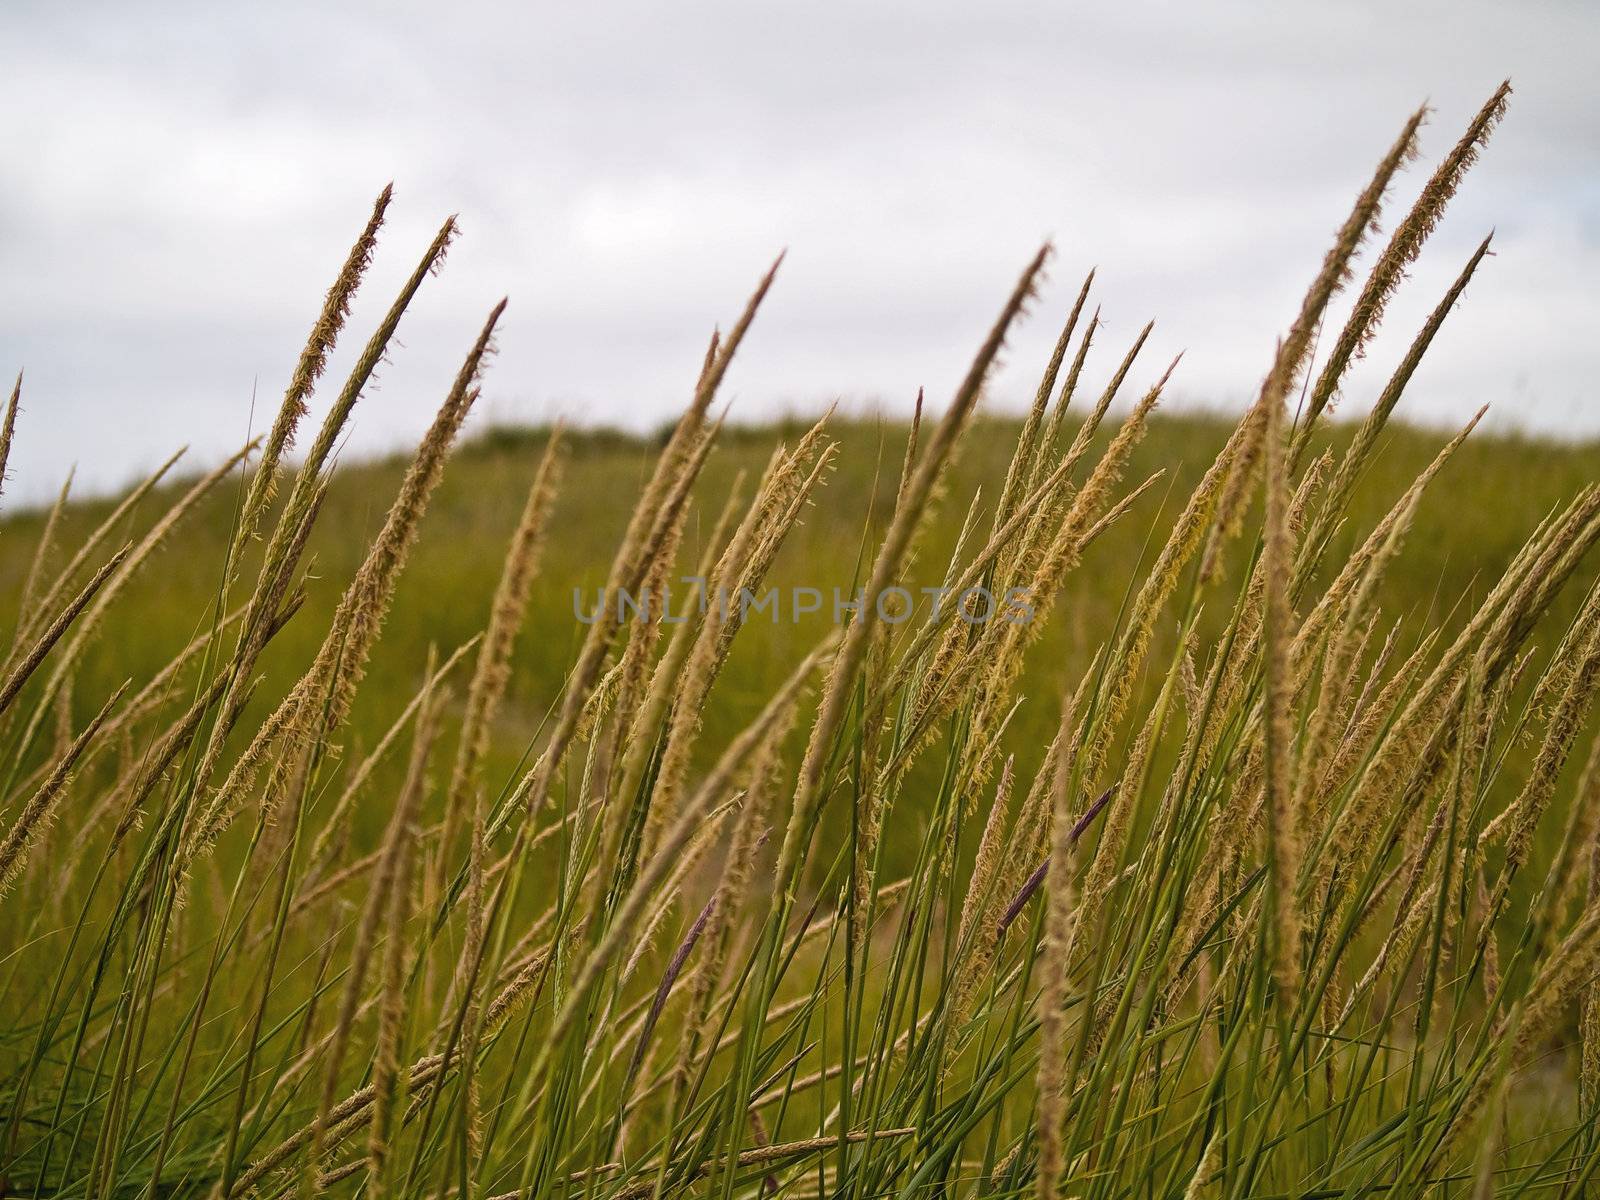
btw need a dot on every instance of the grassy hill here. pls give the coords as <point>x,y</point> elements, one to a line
<point>303,940</point>
<point>1494,491</point>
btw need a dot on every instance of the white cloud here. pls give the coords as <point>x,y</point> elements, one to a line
<point>179,184</point>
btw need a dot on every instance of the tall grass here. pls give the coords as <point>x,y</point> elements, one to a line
<point>1267,916</point>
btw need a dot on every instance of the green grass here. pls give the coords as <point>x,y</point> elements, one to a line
<point>1497,488</point>
<point>1466,530</point>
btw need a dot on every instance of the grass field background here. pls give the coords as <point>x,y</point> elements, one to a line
<point>1492,493</point>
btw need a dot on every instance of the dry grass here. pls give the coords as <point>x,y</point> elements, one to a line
<point>1294,936</point>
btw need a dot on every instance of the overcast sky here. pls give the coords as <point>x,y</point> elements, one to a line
<point>178,185</point>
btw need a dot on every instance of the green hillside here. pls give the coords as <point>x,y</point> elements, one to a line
<point>1491,495</point>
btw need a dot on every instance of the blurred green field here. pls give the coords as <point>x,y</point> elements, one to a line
<point>1490,496</point>
<point>1474,519</point>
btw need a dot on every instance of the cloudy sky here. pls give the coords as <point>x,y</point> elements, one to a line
<point>178,184</point>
